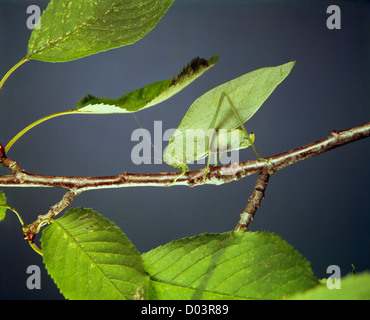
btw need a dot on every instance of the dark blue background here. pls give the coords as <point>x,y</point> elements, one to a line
<point>320,206</point>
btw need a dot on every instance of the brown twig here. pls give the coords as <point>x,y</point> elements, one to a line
<point>32,229</point>
<point>10,164</point>
<point>254,201</point>
<point>216,175</point>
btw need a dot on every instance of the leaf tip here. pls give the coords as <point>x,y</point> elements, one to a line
<point>195,66</point>
<point>292,64</point>
<point>213,60</point>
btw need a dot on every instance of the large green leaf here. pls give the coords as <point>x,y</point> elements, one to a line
<point>149,95</point>
<point>247,93</point>
<point>352,287</point>
<point>3,206</point>
<point>90,258</point>
<point>227,266</point>
<point>72,29</point>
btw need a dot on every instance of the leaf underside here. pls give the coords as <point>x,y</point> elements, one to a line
<point>227,266</point>
<point>74,29</point>
<point>149,95</point>
<point>90,258</point>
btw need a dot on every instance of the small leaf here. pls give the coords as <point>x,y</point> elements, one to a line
<point>133,101</point>
<point>247,93</point>
<point>3,206</point>
<point>351,288</point>
<point>227,266</point>
<point>90,258</point>
<point>149,95</point>
<point>72,29</point>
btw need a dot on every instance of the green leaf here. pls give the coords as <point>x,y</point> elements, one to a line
<point>149,95</point>
<point>351,288</point>
<point>3,206</point>
<point>72,29</point>
<point>227,266</point>
<point>90,258</point>
<point>247,93</point>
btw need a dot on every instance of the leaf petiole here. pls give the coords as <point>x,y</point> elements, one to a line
<point>25,59</point>
<point>18,215</point>
<point>36,248</point>
<point>34,124</point>
<point>24,228</point>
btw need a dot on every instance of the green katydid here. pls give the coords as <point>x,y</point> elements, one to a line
<point>206,127</point>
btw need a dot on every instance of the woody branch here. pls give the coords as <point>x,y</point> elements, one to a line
<point>216,175</point>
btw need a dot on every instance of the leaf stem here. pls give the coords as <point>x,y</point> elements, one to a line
<point>36,248</point>
<point>37,122</point>
<point>25,228</point>
<point>34,228</point>
<point>25,59</point>
<point>18,215</point>
<point>34,124</point>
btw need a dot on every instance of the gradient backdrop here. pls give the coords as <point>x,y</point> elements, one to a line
<point>320,206</point>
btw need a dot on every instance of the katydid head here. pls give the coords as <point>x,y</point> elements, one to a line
<point>247,141</point>
<point>229,140</point>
